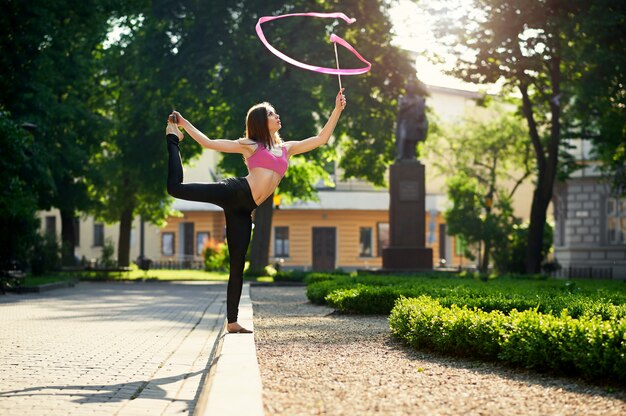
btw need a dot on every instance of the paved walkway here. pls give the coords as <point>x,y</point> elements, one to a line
<point>113,349</point>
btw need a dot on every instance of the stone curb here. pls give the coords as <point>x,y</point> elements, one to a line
<point>233,385</point>
<point>47,286</point>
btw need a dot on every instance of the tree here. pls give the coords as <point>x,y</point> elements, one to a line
<point>139,84</point>
<point>600,102</point>
<point>531,45</point>
<point>24,166</point>
<point>486,162</point>
<point>47,81</point>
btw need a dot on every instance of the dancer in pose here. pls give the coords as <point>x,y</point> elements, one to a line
<point>267,158</point>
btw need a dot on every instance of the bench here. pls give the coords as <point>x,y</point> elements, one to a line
<point>11,279</point>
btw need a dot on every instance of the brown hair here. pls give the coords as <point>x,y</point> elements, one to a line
<point>256,125</point>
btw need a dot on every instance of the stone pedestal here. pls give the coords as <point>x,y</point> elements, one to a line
<point>407,218</point>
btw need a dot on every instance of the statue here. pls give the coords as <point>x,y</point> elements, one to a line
<point>411,123</point>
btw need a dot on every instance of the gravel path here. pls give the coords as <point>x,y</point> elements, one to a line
<point>316,362</point>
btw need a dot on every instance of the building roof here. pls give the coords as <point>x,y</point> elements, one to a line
<point>330,200</point>
<point>182,205</point>
<point>455,91</point>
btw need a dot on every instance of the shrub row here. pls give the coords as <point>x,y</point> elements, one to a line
<point>589,347</point>
<point>367,297</point>
<point>301,276</point>
<point>364,299</point>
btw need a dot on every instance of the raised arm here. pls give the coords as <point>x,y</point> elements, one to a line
<point>226,146</point>
<point>306,145</point>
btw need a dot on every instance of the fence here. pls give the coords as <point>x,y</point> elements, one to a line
<point>584,273</point>
<point>177,264</point>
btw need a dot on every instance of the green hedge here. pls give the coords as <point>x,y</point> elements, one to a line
<point>589,347</point>
<point>307,277</point>
<point>376,296</point>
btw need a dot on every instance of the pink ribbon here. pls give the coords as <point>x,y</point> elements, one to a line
<point>333,38</point>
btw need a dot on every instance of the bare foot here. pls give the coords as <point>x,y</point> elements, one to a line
<point>173,129</point>
<point>235,328</point>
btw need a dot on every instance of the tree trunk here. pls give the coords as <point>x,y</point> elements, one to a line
<point>535,231</point>
<point>547,163</point>
<point>484,264</point>
<point>260,245</point>
<point>68,239</point>
<point>123,245</point>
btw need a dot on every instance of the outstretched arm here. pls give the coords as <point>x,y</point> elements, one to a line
<point>226,146</point>
<point>306,145</point>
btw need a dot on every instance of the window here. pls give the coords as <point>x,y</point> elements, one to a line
<point>77,231</point>
<point>365,242</point>
<point>201,239</point>
<point>616,220</point>
<point>167,244</point>
<point>51,225</point>
<point>281,241</point>
<point>98,234</point>
<point>383,237</point>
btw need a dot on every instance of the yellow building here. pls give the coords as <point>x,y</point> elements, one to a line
<point>344,229</point>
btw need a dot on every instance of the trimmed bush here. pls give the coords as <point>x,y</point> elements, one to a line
<point>364,299</point>
<point>301,276</point>
<point>289,276</point>
<point>372,295</point>
<point>589,347</point>
<point>316,292</point>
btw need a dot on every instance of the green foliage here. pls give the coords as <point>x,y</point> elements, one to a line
<point>589,346</point>
<point>543,50</point>
<point>306,277</point>
<point>290,276</point>
<point>363,299</point>
<point>216,256</point>
<point>510,257</point>
<point>45,255</point>
<point>48,61</point>
<point>24,166</point>
<point>377,294</point>
<point>107,257</point>
<point>599,100</point>
<point>137,89</point>
<point>485,157</point>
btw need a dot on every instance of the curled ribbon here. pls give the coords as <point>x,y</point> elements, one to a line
<point>333,38</point>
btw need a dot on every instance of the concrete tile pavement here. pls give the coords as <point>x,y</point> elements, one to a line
<point>126,349</point>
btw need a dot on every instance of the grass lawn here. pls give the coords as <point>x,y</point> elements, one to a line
<point>136,274</point>
<point>131,275</point>
<point>174,275</point>
<point>30,281</point>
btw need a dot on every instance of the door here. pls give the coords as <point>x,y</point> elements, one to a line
<point>188,239</point>
<point>443,255</point>
<point>324,248</point>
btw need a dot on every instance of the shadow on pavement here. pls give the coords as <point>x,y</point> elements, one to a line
<point>112,393</point>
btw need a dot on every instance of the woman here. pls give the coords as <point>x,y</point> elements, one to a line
<point>267,158</point>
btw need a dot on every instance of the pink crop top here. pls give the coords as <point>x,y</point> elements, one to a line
<point>263,158</point>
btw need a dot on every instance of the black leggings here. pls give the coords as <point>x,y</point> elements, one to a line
<point>234,196</point>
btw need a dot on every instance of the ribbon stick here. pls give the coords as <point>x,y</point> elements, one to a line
<point>333,38</point>
<point>337,60</point>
